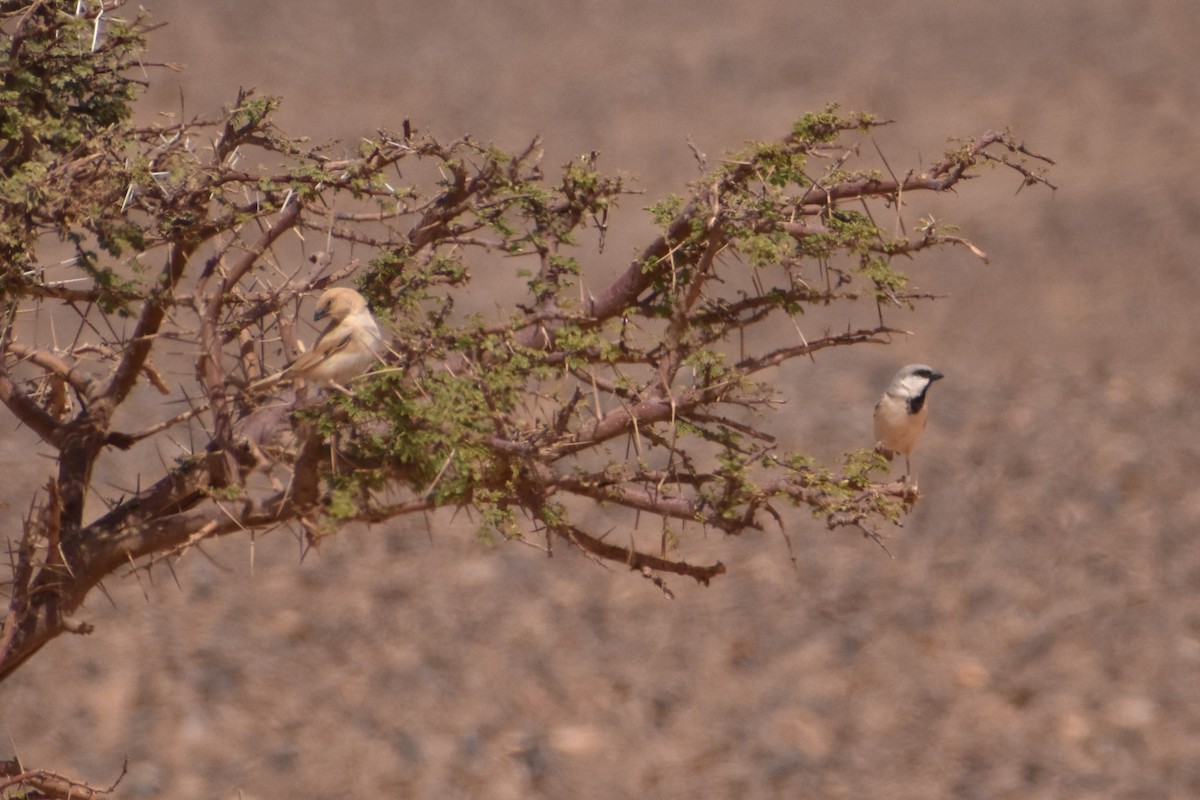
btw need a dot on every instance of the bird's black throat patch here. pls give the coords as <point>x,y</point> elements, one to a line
<point>915,404</point>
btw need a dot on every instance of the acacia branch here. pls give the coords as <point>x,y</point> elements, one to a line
<point>154,310</point>
<point>637,493</point>
<point>641,498</point>
<point>28,412</point>
<point>52,364</point>
<point>623,420</point>
<point>636,560</point>
<point>57,291</point>
<point>283,223</point>
<point>122,538</point>
<point>727,316</point>
<point>654,258</point>
<point>42,783</point>
<point>749,366</point>
<point>682,313</point>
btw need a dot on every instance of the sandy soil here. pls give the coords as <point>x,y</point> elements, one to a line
<point>1037,633</point>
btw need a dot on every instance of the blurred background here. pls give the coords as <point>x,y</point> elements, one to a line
<point>1036,632</point>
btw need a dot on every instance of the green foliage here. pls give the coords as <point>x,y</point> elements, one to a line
<point>62,106</point>
<point>826,126</point>
<point>666,210</point>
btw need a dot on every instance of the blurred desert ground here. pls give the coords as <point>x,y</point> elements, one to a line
<point>1037,633</point>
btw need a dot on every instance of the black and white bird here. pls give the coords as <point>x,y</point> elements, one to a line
<point>901,413</point>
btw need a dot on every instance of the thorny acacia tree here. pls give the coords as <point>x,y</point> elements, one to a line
<point>633,394</point>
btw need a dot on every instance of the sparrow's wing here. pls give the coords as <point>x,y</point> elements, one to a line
<point>331,341</point>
